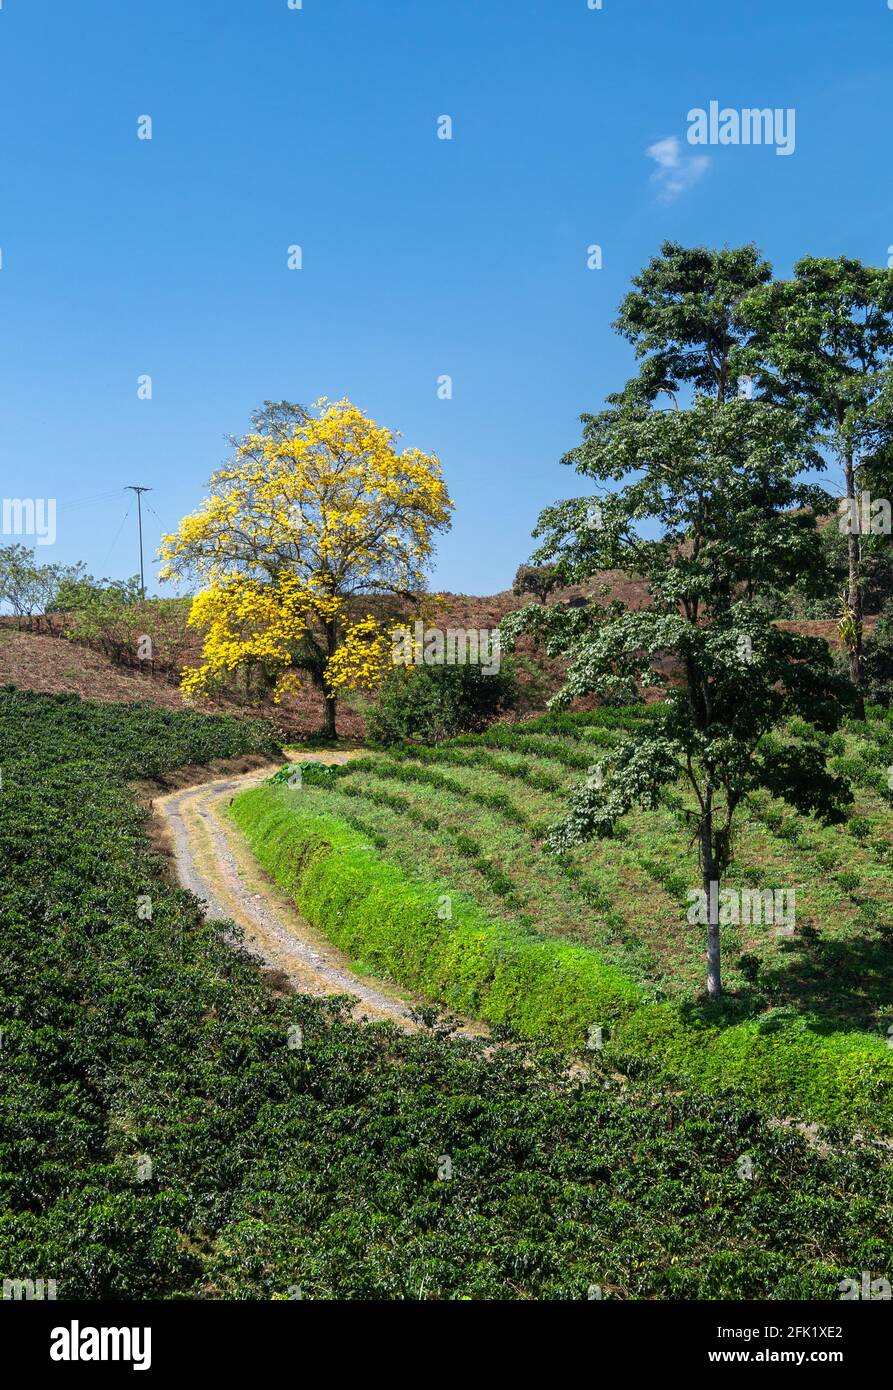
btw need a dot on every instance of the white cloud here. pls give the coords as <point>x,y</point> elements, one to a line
<point>675,170</point>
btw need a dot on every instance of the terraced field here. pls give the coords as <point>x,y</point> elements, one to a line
<point>466,822</point>
<point>176,1125</point>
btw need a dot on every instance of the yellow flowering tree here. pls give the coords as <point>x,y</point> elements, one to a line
<point>316,509</point>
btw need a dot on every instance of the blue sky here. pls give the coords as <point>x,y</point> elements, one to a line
<point>421,257</point>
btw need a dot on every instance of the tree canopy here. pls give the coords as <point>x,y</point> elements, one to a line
<point>316,508</point>
<point>822,344</point>
<point>709,505</point>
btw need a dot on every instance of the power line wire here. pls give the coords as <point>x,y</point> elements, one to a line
<point>117,538</point>
<point>86,501</point>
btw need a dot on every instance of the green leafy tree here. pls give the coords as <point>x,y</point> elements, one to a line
<point>879,659</point>
<point>538,580</point>
<point>710,507</point>
<point>17,586</point>
<point>110,616</point>
<point>90,600</point>
<point>715,508</point>
<point>684,319</point>
<point>29,589</point>
<point>822,344</point>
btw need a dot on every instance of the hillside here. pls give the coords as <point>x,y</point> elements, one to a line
<point>183,1131</point>
<point>36,655</point>
<point>601,936</point>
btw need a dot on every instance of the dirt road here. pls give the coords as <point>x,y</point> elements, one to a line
<point>215,864</point>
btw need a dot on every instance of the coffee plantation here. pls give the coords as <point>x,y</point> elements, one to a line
<point>161,1138</point>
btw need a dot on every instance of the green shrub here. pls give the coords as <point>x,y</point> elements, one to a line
<point>878,659</point>
<point>432,703</point>
<point>309,773</point>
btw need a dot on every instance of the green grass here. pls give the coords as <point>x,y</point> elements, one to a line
<point>427,934</point>
<point>805,1019</point>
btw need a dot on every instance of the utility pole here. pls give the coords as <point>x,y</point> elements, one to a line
<point>139,511</point>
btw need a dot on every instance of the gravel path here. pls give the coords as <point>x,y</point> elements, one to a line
<point>214,863</point>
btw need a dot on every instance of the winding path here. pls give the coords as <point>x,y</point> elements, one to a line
<point>214,862</point>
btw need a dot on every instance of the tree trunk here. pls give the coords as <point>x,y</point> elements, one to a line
<point>854,584</point>
<point>331,700</point>
<point>711,888</point>
<point>331,706</point>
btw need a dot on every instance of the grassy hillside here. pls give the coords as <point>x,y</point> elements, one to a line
<point>600,936</point>
<point>161,1137</point>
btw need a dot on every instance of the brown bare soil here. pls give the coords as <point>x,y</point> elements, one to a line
<point>823,627</point>
<point>44,660</point>
<point>55,666</point>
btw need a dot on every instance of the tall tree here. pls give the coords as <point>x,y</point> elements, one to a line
<point>316,509</point>
<point>683,318</point>
<point>718,489</point>
<point>823,345</point>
